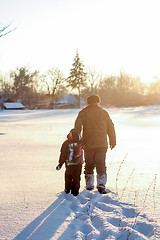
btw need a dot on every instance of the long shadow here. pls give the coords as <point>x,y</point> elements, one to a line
<point>45,226</point>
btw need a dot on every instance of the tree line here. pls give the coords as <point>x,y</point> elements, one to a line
<point>30,87</point>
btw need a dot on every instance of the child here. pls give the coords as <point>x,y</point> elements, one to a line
<point>72,155</point>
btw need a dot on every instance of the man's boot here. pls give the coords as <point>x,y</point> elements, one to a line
<point>89,181</point>
<point>101,183</point>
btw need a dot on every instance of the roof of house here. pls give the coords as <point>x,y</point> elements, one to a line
<point>13,105</point>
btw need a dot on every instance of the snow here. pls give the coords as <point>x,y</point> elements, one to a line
<point>13,105</point>
<point>32,202</point>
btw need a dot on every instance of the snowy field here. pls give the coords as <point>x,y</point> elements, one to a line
<point>32,202</point>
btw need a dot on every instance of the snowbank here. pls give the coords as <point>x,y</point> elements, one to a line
<point>29,205</point>
<point>89,216</point>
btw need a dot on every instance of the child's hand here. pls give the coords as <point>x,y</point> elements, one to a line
<point>58,167</point>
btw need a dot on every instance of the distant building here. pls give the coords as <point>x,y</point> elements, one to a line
<point>69,101</point>
<point>13,106</point>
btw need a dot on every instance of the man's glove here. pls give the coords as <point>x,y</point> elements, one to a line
<point>58,167</point>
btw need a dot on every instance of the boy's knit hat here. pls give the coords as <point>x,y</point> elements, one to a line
<point>73,135</point>
<point>93,99</point>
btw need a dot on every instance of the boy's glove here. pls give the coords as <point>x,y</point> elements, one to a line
<point>58,167</point>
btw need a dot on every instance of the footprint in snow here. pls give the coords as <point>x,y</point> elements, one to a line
<point>90,216</point>
<point>96,216</point>
<point>104,217</point>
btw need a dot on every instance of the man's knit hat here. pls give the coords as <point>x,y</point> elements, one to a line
<point>93,99</point>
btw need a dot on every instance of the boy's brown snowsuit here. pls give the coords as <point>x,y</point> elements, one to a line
<point>72,155</point>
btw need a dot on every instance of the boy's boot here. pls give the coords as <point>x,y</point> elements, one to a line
<point>89,181</point>
<point>67,191</point>
<point>75,192</point>
<point>101,183</point>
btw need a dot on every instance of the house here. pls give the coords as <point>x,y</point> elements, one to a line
<point>13,106</point>
<point>69,101</point>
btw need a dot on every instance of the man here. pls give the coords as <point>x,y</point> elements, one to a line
<point>96,125</point>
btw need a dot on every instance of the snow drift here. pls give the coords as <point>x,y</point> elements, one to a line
<point>29,205</point>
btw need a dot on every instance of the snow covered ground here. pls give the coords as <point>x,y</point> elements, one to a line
<point>32,202</point>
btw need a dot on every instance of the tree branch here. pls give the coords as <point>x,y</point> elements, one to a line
<point>2,34</point>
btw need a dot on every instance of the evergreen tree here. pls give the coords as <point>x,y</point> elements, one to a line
<point>77,78</point>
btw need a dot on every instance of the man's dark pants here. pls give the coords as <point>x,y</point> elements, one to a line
<point>95,159</point>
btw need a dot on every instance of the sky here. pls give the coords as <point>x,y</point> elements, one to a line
<point>111,36</point>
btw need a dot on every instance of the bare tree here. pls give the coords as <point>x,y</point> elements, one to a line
<point>122,90</point>
<point>154,92</point>
<point>6,87</point>
<point>53,82</point>
<point>108,91</point>
<point>5,30</point>
<point>24,84</point>
<point>93,80</point>
<point>130,89</point>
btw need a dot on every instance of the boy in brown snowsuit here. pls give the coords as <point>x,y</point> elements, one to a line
<point>72,155</point>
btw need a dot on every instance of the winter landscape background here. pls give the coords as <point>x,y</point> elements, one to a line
<point>32,202</point>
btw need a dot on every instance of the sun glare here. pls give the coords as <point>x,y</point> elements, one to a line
<point>106,33</point>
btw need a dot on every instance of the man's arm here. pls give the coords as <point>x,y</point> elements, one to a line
<point>78,123</point>
<point>111,132</point>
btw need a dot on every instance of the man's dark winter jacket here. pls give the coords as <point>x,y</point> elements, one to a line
<point>96,125</point>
